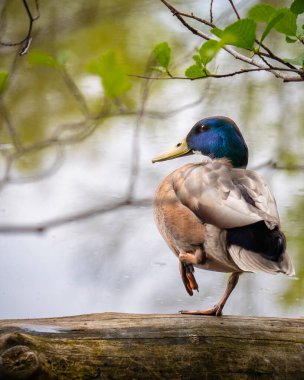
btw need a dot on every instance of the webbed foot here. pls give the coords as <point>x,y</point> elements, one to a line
<point>186,271</point>
<point>216,310</point>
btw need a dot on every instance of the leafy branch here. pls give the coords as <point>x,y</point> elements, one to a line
<point>242,34</point>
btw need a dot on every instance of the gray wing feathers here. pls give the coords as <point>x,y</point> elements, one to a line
<point>258,190</point>
<point>214,191</point>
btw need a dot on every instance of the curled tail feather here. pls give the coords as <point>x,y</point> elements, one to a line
<point>249,261</point>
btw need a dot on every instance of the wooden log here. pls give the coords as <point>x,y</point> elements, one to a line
<point>127,346</point>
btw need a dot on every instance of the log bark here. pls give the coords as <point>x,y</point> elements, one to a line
<point>129,346</point>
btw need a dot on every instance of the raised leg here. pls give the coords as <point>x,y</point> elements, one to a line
<point>186,262</point>
<point>217,309</point>
<point>186,271</point>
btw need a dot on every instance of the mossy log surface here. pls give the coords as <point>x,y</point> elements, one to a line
<point>128,346</point>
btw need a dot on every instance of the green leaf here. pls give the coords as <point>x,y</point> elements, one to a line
<point>3,81</point>
<point>273,21</point>
<point>162,53</point>
<point>63,57</point>
<point>197,59</point>
<point>160,69</point>
<point>298,61</point>
<point>217,32</point>
<point>290,40</point>
<point>283,21</point>
<point>261,12</point>
<point>288,24</point>
<point>113,76</point>
<point>241,34</point>
<point>297,7</point>
<point>195,71</point>
<point>42,58</point>
<point>209,50</point>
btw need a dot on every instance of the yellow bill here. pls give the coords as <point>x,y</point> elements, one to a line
<point>181,149</point>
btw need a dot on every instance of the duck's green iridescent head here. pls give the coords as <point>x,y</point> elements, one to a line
<point>215,137</point>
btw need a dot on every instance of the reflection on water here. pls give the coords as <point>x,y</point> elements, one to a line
<point>118,261</point>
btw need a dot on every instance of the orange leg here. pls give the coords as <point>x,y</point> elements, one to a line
<point>217,309</point>
<point>186,271</point>
<point>186,262</point>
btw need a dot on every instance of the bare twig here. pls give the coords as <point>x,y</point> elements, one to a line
<point>192,16</point>
<point>8,163</point>
<point>166,114</point>
<point>42,174</point>
<point>135,144</point>
<point>74,90</point>
<point>153,114</point>
<point>177,13</point>
<point>63,220</point>
<point>234,9</point>
<point>11,130</point>
<point>26,42</point>
<point>211,11</point>
<point>274,57</point>
<point>28,39</point>
<point>3,5</point>
<point>265,60</point>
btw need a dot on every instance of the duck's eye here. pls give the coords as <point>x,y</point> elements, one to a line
<point>178,145</point>
<point>205,128</point>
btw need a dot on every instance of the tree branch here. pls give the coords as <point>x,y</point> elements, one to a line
<point>211,11</point>
<point>11,130</point>
<point>135,143</point>
<point>76,93</point>
<point>277,72</point>
<point>234,9</point>
<point>46,225</point>
<point>26,42</point>
<point>70,218</point>
<point>274,57</point>
<point>242,71</point>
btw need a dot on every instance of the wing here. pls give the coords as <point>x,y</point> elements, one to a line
<point>223,196</point>
<point>257,189</point>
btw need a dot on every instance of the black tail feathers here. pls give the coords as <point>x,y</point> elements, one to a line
<point>258,238</point>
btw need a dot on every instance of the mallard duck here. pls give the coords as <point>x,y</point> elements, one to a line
<point>216,214</point>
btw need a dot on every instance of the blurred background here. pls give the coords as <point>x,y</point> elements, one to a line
<point>56,160</point>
